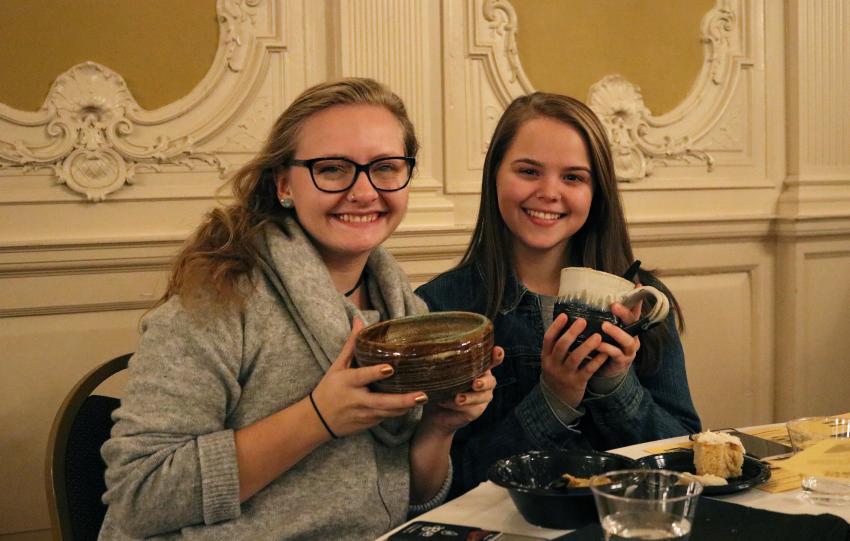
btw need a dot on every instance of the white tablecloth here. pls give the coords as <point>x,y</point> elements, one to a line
<point>490,507</point>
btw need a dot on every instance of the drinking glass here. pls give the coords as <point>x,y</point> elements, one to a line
<point>645,504</point>
<point>806,432</point>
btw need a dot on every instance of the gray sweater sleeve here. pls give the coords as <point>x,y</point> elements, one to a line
<point>171,461</point>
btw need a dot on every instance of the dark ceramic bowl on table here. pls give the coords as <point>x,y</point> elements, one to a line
<point>535,483</point>
<point>439,354</point>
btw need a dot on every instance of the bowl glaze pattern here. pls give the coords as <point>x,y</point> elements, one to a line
<point>439,354</point>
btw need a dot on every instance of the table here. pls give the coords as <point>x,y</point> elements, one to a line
<point>489,506</point>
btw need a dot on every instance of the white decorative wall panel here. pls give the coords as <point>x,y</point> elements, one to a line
<point>813,297</point>
<point>729,133</point>
<point>824,132</point>
<point>826,313</point>
<point>397,43</point>
<point>482,74</point>
<point>640,141</point>
<point>388,40</point>
<point>813,223</point>
<point>725,288</point>
<point>43,357</point>
<point>818,183</point>
<point>92,136</point>
<point>717,347</point>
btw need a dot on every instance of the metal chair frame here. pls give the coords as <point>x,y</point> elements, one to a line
<point>57,445</point>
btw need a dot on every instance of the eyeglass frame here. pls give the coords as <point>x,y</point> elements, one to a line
<point>358,168</point>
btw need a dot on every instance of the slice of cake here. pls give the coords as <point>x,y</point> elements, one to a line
<point>718,453</point>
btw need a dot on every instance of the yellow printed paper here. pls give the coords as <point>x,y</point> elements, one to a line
<point>781,480</point>
<point>681,446</point>
<point>826,458</point>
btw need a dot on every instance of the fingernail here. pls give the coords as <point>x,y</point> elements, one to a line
<point>461,399</point>
<point>387,370</point>
<point>478,384</point>
<point>421,399</point>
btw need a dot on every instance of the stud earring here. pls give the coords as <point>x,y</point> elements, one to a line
<point>287,202</point>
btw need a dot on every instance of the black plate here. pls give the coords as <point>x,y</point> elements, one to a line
<point>754,471</point>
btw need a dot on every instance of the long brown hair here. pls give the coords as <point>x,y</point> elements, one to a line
<point>602,242</point>
<point>221,251</point>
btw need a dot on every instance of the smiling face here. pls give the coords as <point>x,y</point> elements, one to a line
<point>544,187</point>
<point>347,225</point>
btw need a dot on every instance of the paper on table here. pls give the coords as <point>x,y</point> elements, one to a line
<point>781,480</point>
<point>827,458</point>
<point>669,447</point>
<point>782,477</point>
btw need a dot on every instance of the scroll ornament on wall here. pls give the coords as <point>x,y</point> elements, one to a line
<point>88,118</point>
<point>639,141</point>
<point>620,107</point>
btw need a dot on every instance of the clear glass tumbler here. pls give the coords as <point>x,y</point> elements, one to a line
<point>645,504</point>
<point>808,431</point>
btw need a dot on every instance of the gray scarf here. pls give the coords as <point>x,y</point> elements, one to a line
<point>323,316</point>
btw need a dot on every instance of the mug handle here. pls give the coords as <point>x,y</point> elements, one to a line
<point>656,314</point>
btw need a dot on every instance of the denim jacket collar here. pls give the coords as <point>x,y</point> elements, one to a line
<point>514,293</point>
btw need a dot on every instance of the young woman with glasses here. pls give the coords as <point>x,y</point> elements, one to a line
<point>243,418</point>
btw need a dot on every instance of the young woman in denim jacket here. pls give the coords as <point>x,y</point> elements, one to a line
<point>549,199</point>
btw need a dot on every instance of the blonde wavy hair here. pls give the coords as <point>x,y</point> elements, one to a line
<point>220,252</point>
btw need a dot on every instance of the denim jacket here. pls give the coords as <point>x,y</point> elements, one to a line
<point>641,408</point>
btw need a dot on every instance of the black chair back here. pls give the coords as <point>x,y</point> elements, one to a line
<point>75,469</point>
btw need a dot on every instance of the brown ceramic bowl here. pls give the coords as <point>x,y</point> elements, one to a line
<point>439,353</point>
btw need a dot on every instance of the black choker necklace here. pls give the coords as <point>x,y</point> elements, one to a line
<point>357,285</point>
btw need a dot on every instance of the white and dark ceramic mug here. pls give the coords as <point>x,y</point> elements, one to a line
<point>588,294</point>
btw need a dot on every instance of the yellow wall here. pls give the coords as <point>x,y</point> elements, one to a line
<point>41,39</point>
<point>567,45</point>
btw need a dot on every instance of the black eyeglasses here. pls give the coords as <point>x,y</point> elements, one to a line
<point>334,175</point>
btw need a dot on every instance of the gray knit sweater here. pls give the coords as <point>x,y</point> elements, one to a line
<point>198,375</point>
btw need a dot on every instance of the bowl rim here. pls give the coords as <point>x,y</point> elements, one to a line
<point>630,463</point>
<point>483,322</point>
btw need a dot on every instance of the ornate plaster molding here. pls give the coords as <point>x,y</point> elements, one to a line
<point>482,74</point>
<point>89,115</point>
<point>640,140</point>
<point>493,41</point>
<point>238,19</point>
<point>619,104</point>
<point>92,136</point>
